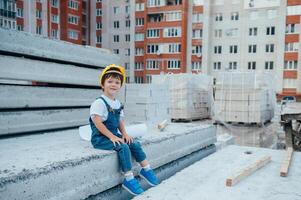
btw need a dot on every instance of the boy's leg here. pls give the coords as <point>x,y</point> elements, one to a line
<point>146,172</point>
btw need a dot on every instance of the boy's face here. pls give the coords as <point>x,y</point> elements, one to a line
<point>111,86</point>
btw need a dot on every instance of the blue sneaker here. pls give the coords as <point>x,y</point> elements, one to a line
<point>132,186</point>
<point>149,176</point>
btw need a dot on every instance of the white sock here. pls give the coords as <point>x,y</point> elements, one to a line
<point>147,167</point>
<point>129,175</point>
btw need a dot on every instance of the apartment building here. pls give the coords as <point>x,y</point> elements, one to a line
<point>8,14</point>
<point>292,57</point>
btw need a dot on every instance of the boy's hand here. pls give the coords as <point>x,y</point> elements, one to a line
<point>117,140</point>
<point>128,139</point>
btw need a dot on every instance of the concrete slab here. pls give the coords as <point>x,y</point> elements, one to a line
<point>206,179</point>
<point>59,165</point>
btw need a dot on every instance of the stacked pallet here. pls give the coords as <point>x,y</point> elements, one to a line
<point>146,103</point>
<point>244,98</point>
<point>190,95</point>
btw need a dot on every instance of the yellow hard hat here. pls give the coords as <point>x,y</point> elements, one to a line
<point>113,69</point>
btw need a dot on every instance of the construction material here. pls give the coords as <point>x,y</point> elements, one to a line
<point>190,95</point>
<point>247,171</point>
<point>162,125</point>
<point>244,98</point>
<point>286,162</point>
<point>134,130</point>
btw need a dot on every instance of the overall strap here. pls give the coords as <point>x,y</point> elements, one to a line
<point>106,103</point>
<point>110,109</point>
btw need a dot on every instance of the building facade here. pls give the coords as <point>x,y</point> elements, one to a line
<point>175,36</point>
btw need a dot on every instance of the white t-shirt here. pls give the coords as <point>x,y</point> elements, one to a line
<point>98,107</point>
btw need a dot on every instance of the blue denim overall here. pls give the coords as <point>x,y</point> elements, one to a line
<point>100,141</point>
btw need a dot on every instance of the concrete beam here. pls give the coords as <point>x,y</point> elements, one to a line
<point>18,42</point>
<point>26,69</point>
<point>15,96</point>
<point>18,122</point>
<point>61,166</point>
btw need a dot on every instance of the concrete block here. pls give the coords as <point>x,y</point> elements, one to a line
<point>26,69</point>
<point>18,42</point>
<point>13,96</point>
<point>61,166</point>
<point>13,122</point>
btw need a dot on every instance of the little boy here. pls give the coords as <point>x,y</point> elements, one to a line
<point>106,118</point>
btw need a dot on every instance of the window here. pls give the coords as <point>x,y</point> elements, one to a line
<point>270,30</point>
<point>218,49</point>
<point>127,9</point>
<point>127,52</point>
<point>127,37</point>
<point>116,38</point>
<point>139,36</point>
<point>197,34</point>
<point>98,12</point>
<point>152,48</point>
<point>232,32</point>
<point>127,79</point>
<point>196,49</point>
<point>138,79</point>
<point>269,48</point>
<point>139,21</point>
<point>127,23</point>
<point>198,2</point>
<point>234,16</point>
<point>98,26</point>
<point>116,24</point>
<point>289,83</point>
<point>253,31</point>
<point>290,65</point>
<point>55,18</point>
<point>172,32</point>
<point>290,28</point>
<point>19,27</point>
<point>269,65</point>
<point>197,17</point>
<point>173,64</point>
<point>251,65</point>
<point>153,33</point>
<point>233,48</point>
<point>154,3</point>
<point>38,14</point>
<point>20,12</point>
<point>292,46</point>
<point>138,65</point>
<point>196,65</point>
<point>73,34</point>
<point>55,33</point>
<point>218,17</point>
<point>73,4</point>
<point>173,16</point>
<point>252,48</point>
<point>148,78</point>
<point>116,51</point>
<point>139,51</point>
<point>217,65</point>
<point>39,30</point>
<point>174,48</point>
<point>54,3</point>
<point>152,64</point>
<point>126,66</point>
<point>232,65</point>
<point>116,10</point>
<point>218,33</point>
<point>73,19</point>
<point>139,7</point>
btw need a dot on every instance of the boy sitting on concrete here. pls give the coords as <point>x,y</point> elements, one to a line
<point>106,118</point>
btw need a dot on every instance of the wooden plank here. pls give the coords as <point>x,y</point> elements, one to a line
<point>19,122</point>
<point>286,162</point>
<point>247,171</point>
<point>28,44</point>
<point>25,69</point>
<point>16,96</point>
